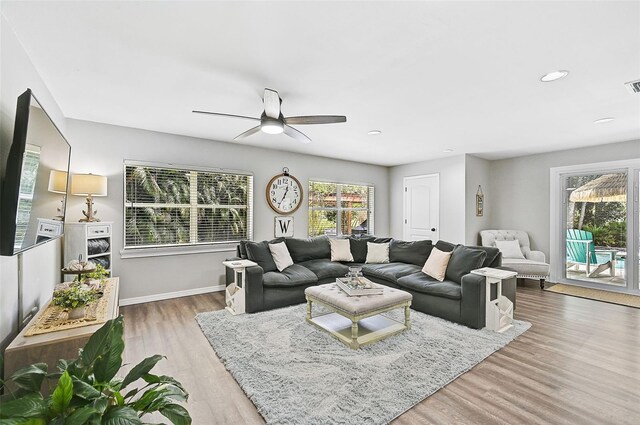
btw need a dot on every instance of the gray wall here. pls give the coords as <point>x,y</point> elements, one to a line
<point>42,264</point>
<point>477,172</point>
<point>452,195</point>
<point>102,148</point>
<point>520,186</point>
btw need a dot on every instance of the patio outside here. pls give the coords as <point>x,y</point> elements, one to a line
<point>596,240</point>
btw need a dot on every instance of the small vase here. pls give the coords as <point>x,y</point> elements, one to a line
<point>76,313</point>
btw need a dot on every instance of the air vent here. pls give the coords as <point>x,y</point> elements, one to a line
<point>633,86</point>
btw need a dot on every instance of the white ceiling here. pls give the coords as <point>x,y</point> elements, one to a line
<point>430,75</point>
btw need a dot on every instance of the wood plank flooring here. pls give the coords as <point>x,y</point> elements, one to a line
<point>578,364</point>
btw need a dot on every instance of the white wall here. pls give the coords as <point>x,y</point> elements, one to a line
<point>452,195</point>
<point>521,186</point>
<point>102,148</point>
<point>17,73</point>
<point>477,172</point>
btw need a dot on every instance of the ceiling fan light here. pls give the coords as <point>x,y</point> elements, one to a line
<point>272,127</point>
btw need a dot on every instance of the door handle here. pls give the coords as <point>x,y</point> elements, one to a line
<point>433,229</point>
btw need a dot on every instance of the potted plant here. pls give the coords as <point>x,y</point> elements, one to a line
<point>87,391</point>
<point>74,299</point>
<point>98,275</point>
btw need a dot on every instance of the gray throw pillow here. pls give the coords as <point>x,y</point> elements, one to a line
<point>414,252</point>
<point>463,260</point>
<point>359,246</point>
<point>260,253</point>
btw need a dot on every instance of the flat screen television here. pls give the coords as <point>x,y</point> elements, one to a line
<point>35,180</point>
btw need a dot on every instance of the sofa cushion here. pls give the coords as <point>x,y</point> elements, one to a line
<point>260,253</point>
<point>436,264</point>
<point>359,246</point>
<point>295,275</point>
<point>280,255</point>
<point>325,268</point>
<point>243,248</point>
<point>377,253</point>
<point>340,250</point>
<point>414,252</point>
<point>526,267</point>
<point>463,260</point>
<point>308,249</point>
<point>493,258</point>
<point>420,282</point>
<point>390,271</point>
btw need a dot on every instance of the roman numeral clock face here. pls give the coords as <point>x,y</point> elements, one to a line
<point>284,194</point>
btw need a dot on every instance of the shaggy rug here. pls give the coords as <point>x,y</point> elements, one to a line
<point>295,373</point>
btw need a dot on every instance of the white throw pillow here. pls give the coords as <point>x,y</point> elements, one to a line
<point>436,265</point>
<point>377,253</point>
<point>340,250</point>
<point>510,249</point>
<point>281,256</point>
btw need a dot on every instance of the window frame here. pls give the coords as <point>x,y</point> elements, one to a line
<point>186,248</point>
<point>370,209</point>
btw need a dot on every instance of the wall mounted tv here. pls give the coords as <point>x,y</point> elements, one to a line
<point>35,179</point>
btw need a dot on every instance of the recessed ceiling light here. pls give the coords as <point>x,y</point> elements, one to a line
<point>447,150</point>
<point>604,120</point>
<point>553,76</point>
<point>374,132</point>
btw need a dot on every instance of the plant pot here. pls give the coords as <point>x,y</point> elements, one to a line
<point>76,313</point>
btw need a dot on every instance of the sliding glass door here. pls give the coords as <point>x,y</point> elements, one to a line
<point>596,227</point>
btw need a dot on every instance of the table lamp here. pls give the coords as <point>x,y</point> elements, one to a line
<point>58,184</point>
<point>89,185</point>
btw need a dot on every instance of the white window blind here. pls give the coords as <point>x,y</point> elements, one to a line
<point>30,164</point>
<point>166,206</point>
<point>340,209</point>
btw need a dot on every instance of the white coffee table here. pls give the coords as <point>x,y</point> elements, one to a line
<point>358,321</point>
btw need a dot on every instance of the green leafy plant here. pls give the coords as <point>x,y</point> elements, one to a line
<point>88,391</point>
<point>100,273</point>
<point>73,297</point>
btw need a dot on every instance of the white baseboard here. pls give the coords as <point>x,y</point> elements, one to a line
<point>169,295</point>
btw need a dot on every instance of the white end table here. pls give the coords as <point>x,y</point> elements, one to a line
<point>234,292</point>
<point>498,312</point>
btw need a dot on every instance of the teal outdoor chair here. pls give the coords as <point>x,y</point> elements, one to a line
<point>582,251</point>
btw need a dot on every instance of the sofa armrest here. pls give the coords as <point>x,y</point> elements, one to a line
<point>472,304</point>
<point>536,256</point>
<point>253,290</point>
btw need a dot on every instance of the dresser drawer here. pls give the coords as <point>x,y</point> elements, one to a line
<point>49,229</point>
<point>98,230</point>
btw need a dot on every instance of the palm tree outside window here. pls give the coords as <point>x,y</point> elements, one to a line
<point>167,206</point>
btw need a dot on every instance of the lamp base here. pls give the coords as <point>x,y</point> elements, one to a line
<point>90,213</point>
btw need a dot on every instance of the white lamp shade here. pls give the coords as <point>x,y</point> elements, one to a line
<point>88,184</point>
<point>58,181</point>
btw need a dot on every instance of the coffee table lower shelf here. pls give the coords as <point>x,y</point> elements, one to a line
<point>357,331</point>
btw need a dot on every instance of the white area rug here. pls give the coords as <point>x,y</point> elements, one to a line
<point>297,374</point>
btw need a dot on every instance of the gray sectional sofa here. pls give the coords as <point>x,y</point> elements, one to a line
<point>459,298</point>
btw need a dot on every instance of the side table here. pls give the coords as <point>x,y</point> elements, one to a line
<point>234,292</point>
<point>53,346</point>
<point>499,311</point>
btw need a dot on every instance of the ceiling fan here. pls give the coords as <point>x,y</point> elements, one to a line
<point>273,122</point>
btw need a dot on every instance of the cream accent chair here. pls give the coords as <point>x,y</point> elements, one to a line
<point>533,266</point>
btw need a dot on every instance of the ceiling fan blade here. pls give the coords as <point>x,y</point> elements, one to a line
<point>295,134</point>
<point>316,119</point>
<point>226,115</point>
<point>272,103</point>
<point>247,133</point>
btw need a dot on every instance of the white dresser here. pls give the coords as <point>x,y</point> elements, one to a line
<point>94,241</point>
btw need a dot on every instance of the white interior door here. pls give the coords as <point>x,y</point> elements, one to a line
<point>422,207</point>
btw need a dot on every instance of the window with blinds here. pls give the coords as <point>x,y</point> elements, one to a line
<point>165,206</point>
<point>30,164</point>
<point>340,209</point>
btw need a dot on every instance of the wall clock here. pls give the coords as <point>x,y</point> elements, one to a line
<point>284,193</point>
